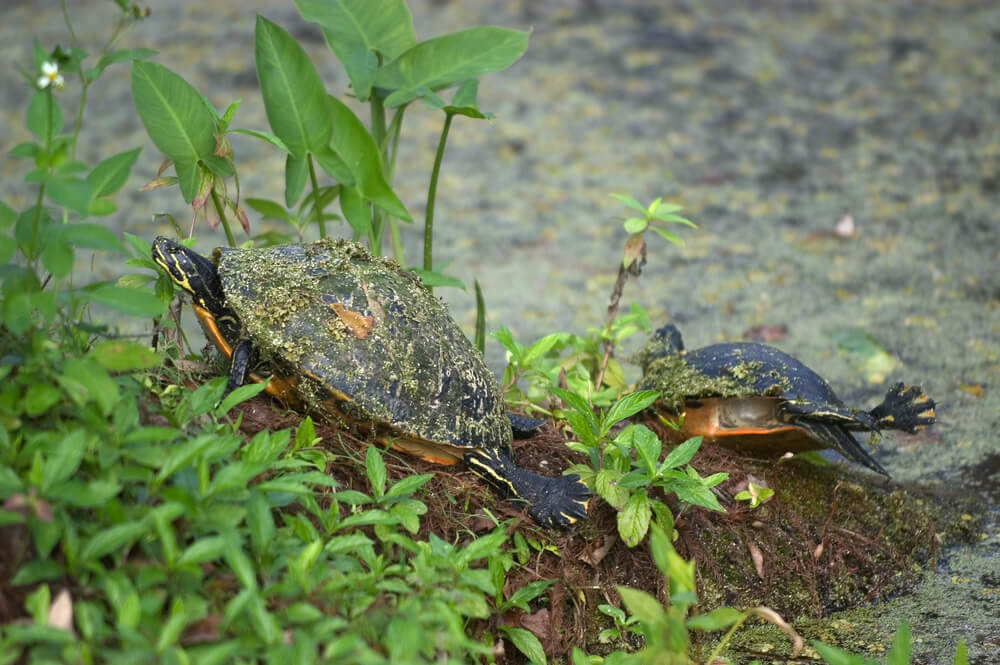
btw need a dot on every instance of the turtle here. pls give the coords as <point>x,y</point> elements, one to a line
<point>754,397</point>
<point>355,339</point>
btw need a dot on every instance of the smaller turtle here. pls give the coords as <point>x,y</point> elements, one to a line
<point>754,397</point>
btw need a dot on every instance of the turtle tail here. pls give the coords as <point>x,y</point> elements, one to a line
<point>552,502</point>
<point>905,408</point>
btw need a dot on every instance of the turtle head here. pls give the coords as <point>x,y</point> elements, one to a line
<point>666,341</point>
<point>191,271</point>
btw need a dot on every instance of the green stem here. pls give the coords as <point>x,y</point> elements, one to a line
<point>393,134</point>
<point>84,82</point>
<point>221,210</point>
<point>317,209</point>
<point>725,640</point>
<point>432,192</point>
<point>377,116</point>
<point>395,129</point>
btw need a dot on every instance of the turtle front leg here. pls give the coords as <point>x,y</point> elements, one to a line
<point>552,502</point>
<point>239,366</point>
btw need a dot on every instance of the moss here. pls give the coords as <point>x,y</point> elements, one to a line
<point>677,381</point>
<point>878,540</point>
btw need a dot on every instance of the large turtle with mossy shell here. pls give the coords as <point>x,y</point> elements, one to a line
<point>355,339</point>
<point>756,398</point>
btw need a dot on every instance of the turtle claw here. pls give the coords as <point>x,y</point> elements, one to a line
<point>905,408</point>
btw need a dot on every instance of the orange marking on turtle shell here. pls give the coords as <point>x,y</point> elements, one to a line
<point>359,324</point>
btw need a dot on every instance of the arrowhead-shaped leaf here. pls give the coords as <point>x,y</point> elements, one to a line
<point>174,115</point>
<point>293,93</point>
<point>443,61</point>
<point>358,150</point>
<point>358,30</point>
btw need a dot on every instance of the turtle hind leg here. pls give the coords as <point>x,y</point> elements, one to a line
<point>552,502</point>
<point>834,435</point>
<point>524,426</point>
<point>905,408</point>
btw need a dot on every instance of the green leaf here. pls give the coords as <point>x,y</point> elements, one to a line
<point>183,454</point>
<point>693,492</point>
<point>648,445</point>
<point>835,656</point>
<point>635,225</point>
<point>84,380</point>
<point>605,484</point>
<point>39,398</point>
<point>375,468</point>
<point>628,406</point>
<point>92,236</point>
<point>668,236</point>
<point>356,210</point>
<point>293,93</point>
<point>483,546</point>
<point>358,150</point>
<point>431,278</point>
<point>630,202</point>
<point>264,136</point>
<point>241,394</point>
<point>334,165</point>
<point>659,539</point>
<point>367,517</point>
<point>44,117</point>
<point>358,31</point>
<point>122,356</point>
<point>899,654</point>
<point>717,619</point>
<point>449,59</point>
<point>112,539</point>
<point>408,485</point>
<point>176,118</point>
<point>464,101</point>
<point>84,495</point>
<point>136,302</point>
<point>72,193</point>
<point>111,174</point>
<point>526,643</point>
<point>961,657</point>
<point>64,460</point>
<point>633,520</point>
<point>121,55</point>
<point>240,564</point>
<point>682,454</point>
<point>200,551</point>
<point>269,209</point>
<point>527,593</point>
<point>351,542</point>
<point>296,171</point>
<point>643,606</point>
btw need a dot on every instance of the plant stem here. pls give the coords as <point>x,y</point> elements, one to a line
<point>432,192</point>
<point>317,209</point>
<point>84,82</point>
<point>394,130</point>
<point>377,115</point>
<point>221,210</point>
<point>633,270</point>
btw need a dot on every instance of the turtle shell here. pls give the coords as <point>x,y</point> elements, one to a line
<point>740,369</point>
<point>366,342</point>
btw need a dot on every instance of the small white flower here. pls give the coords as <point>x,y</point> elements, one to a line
<point>50,76</point>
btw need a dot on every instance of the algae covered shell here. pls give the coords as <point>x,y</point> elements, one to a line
<point>366,341</point>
